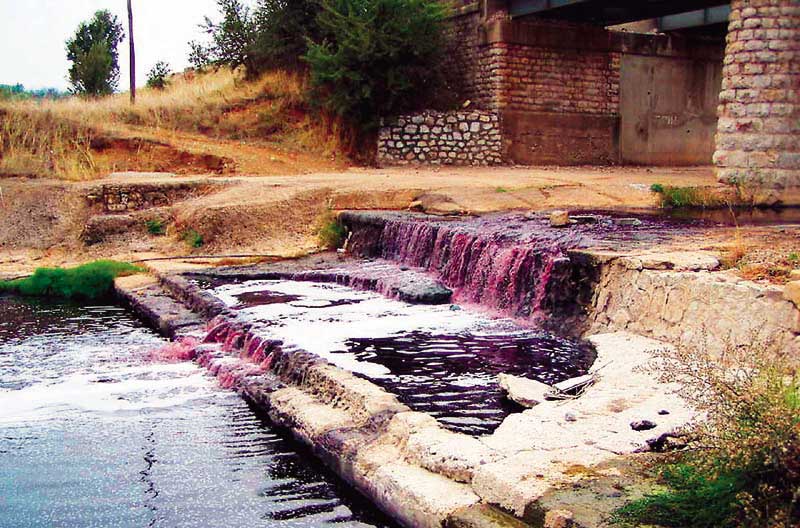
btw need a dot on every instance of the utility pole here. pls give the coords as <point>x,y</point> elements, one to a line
<point>133,53</point>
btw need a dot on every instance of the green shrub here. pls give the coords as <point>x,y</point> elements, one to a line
<point>90,281</point>
<point>193,238</point>
<point>743,463</point>
<point>331,233</point>
<point>156,227</point>
<point>158,77</point>
<point>376,57</point>
<point>677,197</point>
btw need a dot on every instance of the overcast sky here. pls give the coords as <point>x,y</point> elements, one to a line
<point>33,33</point>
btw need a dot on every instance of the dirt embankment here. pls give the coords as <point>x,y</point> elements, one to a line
<point>279,214</point>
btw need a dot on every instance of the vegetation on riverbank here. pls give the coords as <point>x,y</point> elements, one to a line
<point>56,138</point>
<point>91,281</point>
<point>742,467</point>
<point>331,233</point>
<point>676,197</point>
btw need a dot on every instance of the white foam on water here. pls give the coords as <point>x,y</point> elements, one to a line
<point>125,389</point>
<point>369,315</point>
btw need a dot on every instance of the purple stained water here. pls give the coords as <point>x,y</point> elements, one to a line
<point>515,263</point>
<point>93,433</point>
<point>454,377</point>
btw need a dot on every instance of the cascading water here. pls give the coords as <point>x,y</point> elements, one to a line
<point>434,358</point>
<point>514,263</point>
<point>506,269</point>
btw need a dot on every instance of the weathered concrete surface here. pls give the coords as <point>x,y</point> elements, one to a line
<point>540,445</point>
<point>145,297</point>
<point>668,108</point>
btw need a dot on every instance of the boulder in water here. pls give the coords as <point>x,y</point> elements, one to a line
<point>524,391</point>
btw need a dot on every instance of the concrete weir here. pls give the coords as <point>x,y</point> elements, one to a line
<point>558,463</point>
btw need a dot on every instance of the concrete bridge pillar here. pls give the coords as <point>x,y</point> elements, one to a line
<point>758,136</point>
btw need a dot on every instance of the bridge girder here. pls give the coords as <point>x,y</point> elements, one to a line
<point>690,13</point>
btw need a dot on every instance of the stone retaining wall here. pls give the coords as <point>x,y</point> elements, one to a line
<point>703,309</point>
<point>121,198</point>
<point>442,138</point>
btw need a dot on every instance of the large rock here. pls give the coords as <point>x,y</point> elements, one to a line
<point>791,292</point>
<point>524,391</point>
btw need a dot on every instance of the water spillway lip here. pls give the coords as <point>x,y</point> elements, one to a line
<point>433,358</point>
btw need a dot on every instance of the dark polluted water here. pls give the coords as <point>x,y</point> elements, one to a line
<point>94,434</point>
<point>454,377</point>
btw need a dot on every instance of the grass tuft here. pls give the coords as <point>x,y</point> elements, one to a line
<point>193,238</point>
<point>156,227</point>
<point>678,197</point>
<point>331,234</point>
<point>90,281</point>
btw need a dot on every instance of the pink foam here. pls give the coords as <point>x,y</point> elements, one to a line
<point>182,349</point>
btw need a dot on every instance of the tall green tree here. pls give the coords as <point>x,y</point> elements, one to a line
<point>231,39</point>
<point>283,30</point>
<point>377,58</point>
<point>275,33</point>
<point>94,55</point>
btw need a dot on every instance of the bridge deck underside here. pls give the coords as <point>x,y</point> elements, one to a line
<point>609,12</point>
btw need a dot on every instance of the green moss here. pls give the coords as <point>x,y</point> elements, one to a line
<point>88,282</point>
<point>501,190</point>
<point>690,500</point>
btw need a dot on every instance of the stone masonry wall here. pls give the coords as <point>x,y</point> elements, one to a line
<point>702,309</point>
<point>134,197</point>
<point>758,139</point>
<point>442,138</point>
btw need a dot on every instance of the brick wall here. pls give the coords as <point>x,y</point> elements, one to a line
<point>555,80</point>
<point>758,139</point>
<point>441,138</point>
<point>466,60</point>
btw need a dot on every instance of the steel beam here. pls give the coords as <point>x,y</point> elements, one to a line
<point>698,18</point>
<point>613,12</point>
<point>530,7</point>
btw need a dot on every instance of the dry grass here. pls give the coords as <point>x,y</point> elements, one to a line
<point>767,256</point>
<point>54,137</point>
